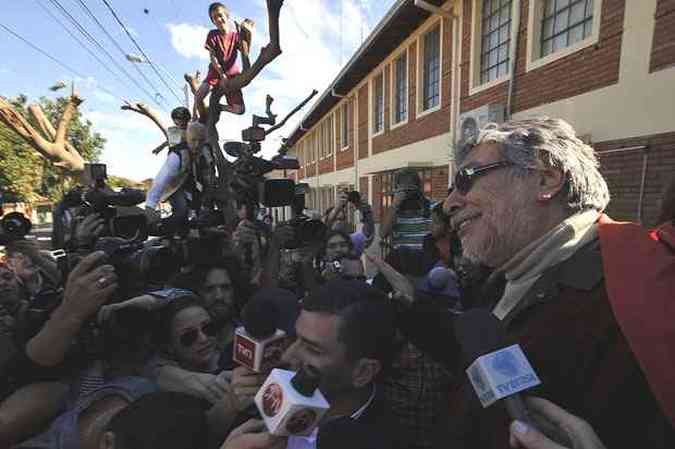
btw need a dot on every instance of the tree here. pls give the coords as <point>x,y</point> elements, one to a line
<point>26,174</point>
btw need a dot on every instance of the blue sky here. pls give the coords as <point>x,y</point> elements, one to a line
<point>316,35</point>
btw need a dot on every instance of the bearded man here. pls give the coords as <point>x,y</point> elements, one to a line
<point>527,202</point>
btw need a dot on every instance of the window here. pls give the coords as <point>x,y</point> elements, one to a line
<point>400,96</point>
<point>565,22</point>
<point>495,39</point>
<point>344,134</point>
<point>378,104</point>
<point>431,69</point>
<point>330,135</point>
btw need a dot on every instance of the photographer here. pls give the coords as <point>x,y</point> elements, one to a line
<point>338,259</point>
<point>336,219</point>
<point>45,356</point>
<point>409,219</point>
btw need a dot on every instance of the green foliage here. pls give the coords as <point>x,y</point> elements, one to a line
<point>24,174</point>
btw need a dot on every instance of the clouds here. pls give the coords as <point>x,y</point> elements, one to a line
<point>129,141</point>
<point>188,40</point>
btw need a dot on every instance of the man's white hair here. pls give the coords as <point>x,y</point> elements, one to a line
<point>553,143</point>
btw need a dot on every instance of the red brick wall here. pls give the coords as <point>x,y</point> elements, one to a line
<point>345,159</point>
<point>593,67</point>
<point>301,173</point>
<point>326,165</point>
<point>363,122</point>
<point>310,170</point>
<point>663,44</point>
<point>429,125</point>
<point>623,172</point>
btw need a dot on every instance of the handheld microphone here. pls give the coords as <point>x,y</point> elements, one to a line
<point>291,403</point>
<point>259,344</point>
<point>497,372</point>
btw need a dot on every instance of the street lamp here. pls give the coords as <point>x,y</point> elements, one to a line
<point>136,59</point>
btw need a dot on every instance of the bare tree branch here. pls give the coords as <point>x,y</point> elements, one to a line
<point>55,149</point>
<point>142,109</point>
<point>194,83</point>
<point>46,126</point>
<point>297,108</point>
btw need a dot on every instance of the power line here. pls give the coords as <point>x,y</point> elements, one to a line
<point>147,58</point>
<point>115,43</point>
<point>95,42</point>
<point>60,63</point>
<point>82,44</point>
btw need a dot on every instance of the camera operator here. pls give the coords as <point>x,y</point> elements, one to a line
<point>336,219</point>
<point>409,219</point>
<point>34,269</point>
<point>338,259</point>
<point>44,358</point>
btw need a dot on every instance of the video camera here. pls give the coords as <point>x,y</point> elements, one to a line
<point>249,183</point>
<point>13,226</point>
<point>98,198</point>
<point>305,230</point>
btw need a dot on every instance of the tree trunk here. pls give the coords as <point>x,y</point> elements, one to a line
<point>56,149</point>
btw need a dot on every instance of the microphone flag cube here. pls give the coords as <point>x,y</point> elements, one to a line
<point>258,355</point>
<point>285,410</point>
<point>502,373</point>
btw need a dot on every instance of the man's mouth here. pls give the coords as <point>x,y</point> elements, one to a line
<point>459,224</point>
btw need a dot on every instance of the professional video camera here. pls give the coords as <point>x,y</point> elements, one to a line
<point>305,230</point>
<point>97,197</point>
<point>249,183</point>
<point>13,226</point>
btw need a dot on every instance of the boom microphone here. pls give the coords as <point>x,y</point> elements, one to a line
<point>497,372</point>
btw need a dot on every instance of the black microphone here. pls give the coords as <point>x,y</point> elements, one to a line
<point>497,371</point>
<point>259,344</point>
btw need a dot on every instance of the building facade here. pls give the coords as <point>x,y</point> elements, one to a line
<point>432,70</point>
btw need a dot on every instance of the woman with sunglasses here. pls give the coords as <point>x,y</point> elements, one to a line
<point>190,358</point>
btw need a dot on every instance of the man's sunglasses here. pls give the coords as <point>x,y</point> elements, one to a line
<point>465,178</point>
<point>190,337</point>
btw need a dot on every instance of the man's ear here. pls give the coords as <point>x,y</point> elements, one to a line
<point>365,372</point>
<point>551,182</point>
<point>107,441</point>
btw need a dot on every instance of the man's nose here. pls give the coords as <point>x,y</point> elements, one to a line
<point>453,202</point>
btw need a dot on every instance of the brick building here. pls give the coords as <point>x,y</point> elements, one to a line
<point>431,69</point>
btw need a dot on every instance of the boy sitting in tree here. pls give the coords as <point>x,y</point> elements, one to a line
<point>223,44</point>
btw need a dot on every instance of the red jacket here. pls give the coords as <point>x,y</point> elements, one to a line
<point>639,268</point>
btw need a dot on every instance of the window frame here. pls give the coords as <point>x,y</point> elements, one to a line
<point>567,31</point>
<point>373,99</point>
<point>534,59</point>
<point>344,125</point>
<point>475,85</point>
<point>393,91</point>
<point>420,111</point>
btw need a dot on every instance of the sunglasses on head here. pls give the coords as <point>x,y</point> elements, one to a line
<point>190,337</point>
<point>465,177</point>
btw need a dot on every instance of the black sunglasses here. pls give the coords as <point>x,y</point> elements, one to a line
<point>190,337</point>
<point>465,178</point>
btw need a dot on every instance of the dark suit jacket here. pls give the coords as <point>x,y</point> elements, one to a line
<point>567,329</point>
<point>374,429</point>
